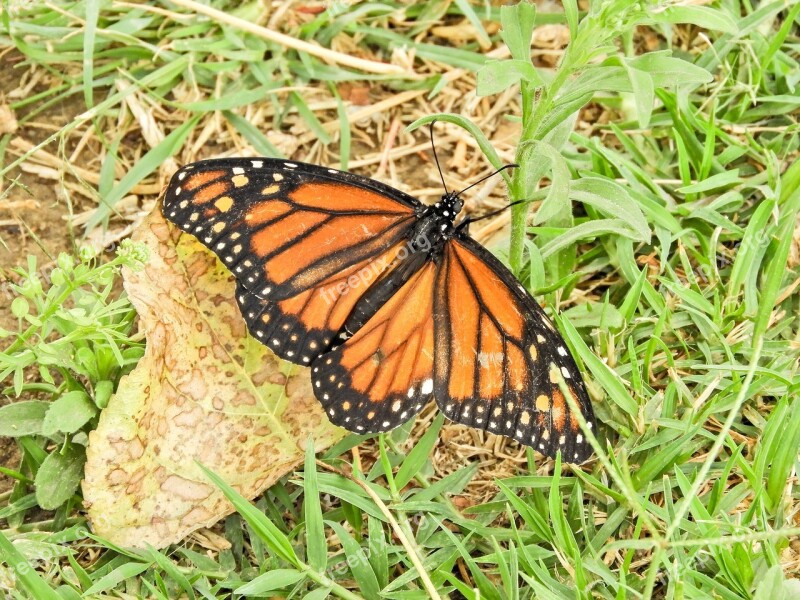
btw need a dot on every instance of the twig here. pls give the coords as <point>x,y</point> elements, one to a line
<point>285,40</point>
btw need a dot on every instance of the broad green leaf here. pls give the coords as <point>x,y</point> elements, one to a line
<point>316,544</point>
<point>22,418</point>
<point>118,575</point>
<point>517,23</point>
<point>571,14</point>
<point>779,254</point>
<point>419,454</point>
<point>499,75</point>
<point>689,296</point>
<point>59,476</point>
<point>171,570</point>
<point>589,230</point>
<point>667,71</point>
<point>751,251</point>
<point>714,19</point>
<point>612,199</point>
<point>606,377</point>
<point>532,168</point>
<point>605,316</point>
<point>357,561</point>
<point>261,524</point>
<point>715,182</point>
<point>271,580</point>
<point>643,94</point>
<point>69,413</point>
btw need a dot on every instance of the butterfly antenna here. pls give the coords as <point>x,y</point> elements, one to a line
<point>469,220</point>
<point>436,158</point>
<point>500,170</point>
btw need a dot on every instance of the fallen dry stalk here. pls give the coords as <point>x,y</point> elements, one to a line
<point>361,64</point>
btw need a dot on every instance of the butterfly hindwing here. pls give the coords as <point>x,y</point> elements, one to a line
<point>382,375</point>
<point>499,358</point>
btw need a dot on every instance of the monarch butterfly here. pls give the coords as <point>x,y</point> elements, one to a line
<point>388,300</point>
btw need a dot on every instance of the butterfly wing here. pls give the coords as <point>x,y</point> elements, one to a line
<point>498,356</point>
<point>382,375</point>
<point>303,242</point>
<point>281,227</point>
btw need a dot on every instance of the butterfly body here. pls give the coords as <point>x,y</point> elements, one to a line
<point>389,301</point>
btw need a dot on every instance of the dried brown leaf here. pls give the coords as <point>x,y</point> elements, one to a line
<point>203,392</point>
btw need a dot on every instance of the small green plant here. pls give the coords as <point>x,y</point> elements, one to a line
<point>591,63</point>
<point>71,347</point>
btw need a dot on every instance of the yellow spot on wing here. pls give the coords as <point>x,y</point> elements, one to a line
<point>224,203</point>
<point>542,403</point>
<point>239,180</point>
<point>270,189</point>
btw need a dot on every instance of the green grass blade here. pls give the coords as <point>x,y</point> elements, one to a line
<point>316,544</point>
<point>266,530</point>
<point>419,454</point>
<point>32,582</point>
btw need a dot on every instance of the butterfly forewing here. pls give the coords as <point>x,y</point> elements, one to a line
<point>499,358</point>
<point>283,228</point>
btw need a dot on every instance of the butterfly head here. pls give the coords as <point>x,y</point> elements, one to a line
<point>449,206</point>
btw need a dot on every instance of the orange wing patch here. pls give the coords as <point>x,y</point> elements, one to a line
<point>323,235</point>
<point>211,192</point>
<point>283,232</point>
<point>345,198</point>
<point>201,178</point>
<point>498,299</point>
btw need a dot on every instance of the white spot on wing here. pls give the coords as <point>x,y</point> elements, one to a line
<point>427,386</point>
